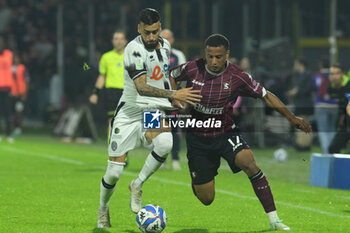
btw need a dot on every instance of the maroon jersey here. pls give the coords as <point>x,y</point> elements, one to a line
<point>219,92</point>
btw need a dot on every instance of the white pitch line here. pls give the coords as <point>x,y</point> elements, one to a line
<point>304,191</point>
<point>168,181</point>
<point>343,197</point>
<point>47,156</point>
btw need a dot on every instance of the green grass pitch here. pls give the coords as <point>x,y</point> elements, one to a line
<point>47,186</point>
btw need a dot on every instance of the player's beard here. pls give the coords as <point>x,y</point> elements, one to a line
<point>151,46</point>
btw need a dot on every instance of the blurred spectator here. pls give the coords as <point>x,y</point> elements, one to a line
<point>302,93</point>
<point>326,109</point>
<point>233,60</point>
<point>176,58</point>
<point>338,90</point>
<point>6,60</point>
<point>56,91</point>
<point>245,64</point>
<point>19,93</point>
<point>5,15</point>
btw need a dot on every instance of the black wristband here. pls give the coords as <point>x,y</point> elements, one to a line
<point>96,91</point>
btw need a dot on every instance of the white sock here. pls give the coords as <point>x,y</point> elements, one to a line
<point>151,165</point>
<point>163,144</point>
<point>113,172</point>
<point>272,216</point>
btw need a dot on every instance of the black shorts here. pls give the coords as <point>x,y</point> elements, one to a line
<point>204,154</point>
<point>111,99</point>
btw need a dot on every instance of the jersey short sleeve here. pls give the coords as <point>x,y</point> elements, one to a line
<point>103,65</point>
<point>250,87</point>
<point>135,60</point>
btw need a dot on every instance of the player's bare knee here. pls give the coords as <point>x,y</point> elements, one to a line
<point>118,159</point>
<point>205,194</point>
<point>207,199</point>
<point>163,143</point>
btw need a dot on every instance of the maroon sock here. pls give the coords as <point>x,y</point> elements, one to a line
<point>263,192</point>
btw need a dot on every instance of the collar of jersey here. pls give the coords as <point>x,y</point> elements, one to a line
<point>216,74</point>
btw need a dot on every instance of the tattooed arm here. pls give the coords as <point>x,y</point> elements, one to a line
<point>144,89</point>
<point>186,94</point>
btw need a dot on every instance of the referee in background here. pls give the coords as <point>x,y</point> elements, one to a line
<point>111,78</point>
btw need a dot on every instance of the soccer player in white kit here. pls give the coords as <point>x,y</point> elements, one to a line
<point>146,86</point>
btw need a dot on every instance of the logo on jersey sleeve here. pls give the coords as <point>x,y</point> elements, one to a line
<point>139,64</point>
<point>151,119</point>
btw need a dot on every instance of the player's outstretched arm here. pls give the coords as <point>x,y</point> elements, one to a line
<point>274,102</point>
<point>186,94</point>
<point>348,108</point>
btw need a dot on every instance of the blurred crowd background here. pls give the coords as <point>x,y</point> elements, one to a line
<point>60,43</point>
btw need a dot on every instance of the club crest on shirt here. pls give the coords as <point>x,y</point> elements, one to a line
<point>225,86</point>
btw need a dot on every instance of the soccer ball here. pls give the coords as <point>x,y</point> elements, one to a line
<point>280,155</point>
<point>151,219</point>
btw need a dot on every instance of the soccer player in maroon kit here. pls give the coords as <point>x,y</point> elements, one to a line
<point>220,83</point>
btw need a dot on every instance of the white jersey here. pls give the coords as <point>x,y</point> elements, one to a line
<point>155,64</point>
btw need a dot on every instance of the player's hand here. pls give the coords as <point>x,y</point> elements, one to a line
<point>182,106</point>
<point>348,108</point>
<point>301,124</point>
<point>292,92</point>
<point>93,98</point>
<point>187,95</point>
<point>178,104</point>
